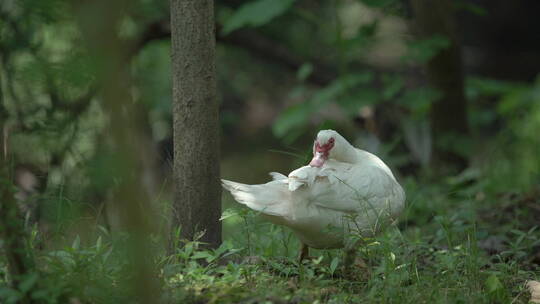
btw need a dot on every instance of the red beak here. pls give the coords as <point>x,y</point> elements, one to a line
<point>318,159</point>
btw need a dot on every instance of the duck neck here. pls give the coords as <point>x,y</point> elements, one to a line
<point>349,154</point>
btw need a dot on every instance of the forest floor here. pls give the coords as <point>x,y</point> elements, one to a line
<point>457,242</point>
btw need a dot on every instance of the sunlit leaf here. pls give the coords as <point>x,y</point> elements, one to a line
<point>228,213</point>
<point>495,288</point>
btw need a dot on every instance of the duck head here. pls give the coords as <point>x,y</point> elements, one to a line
<point>329,144</point>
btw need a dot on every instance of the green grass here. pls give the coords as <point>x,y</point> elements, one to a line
<point>455,243</point>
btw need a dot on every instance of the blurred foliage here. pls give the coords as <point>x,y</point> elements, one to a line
<point>299,114</point>
<point>256,13</point>
<point>519,141</point>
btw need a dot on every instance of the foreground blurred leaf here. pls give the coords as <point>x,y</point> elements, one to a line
<point>256,13</point>
<point>495,288</point>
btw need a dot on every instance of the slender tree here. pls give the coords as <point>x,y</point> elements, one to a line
<point>445,73</point>
<point>127,147</point>
<point>197,205</point>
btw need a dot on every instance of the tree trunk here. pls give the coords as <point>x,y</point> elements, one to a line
<point>126,145</point>
<point>197,204</point>
<point>445,73</point>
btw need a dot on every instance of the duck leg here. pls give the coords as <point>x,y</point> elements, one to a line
<point>304,252</point>
<point>350,255</point>
<point>352,263</point>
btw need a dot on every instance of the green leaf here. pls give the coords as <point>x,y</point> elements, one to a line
<point>304,71</point>
<point>333,265</point>
<point>201,255</point>
<point>232,251</point>
<point>41,295</point>
<point>28,282</point>
<point>364,36</point>
<point>256,13</point>
<point>364,97</point>
<point>392,86</point>
<point>228,213</point>
<point>76,243</point>
<point>103,230</point>
<point>491,87</point>
<point>495,289</point>
<point>294,116</point>
<point>421,51</point>
<point>512,102</point>
<point>419,100</point>
<point>10,295</point>
<point>294,134</point>
<point>99,243</point>
<point>493,283</point>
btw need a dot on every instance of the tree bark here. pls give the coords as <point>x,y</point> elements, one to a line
<point>197,204</point>
<point>445,73</point>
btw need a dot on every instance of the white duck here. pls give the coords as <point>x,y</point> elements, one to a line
<point>342,190</point>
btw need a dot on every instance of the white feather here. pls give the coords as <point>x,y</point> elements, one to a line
<point>354,191</point>
<point>277,175</point>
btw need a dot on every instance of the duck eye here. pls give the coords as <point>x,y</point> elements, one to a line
<point>331,140</point>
